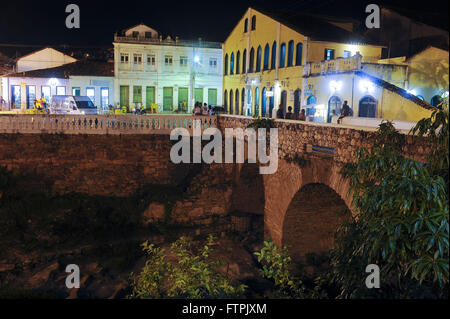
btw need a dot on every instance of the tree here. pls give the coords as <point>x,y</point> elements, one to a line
<point>403,220</point>
<point>193,275</point>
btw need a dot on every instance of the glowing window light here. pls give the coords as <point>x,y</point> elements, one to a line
<point>353,49</point>
<point>53,81</point>
<point>366,86</point>
<point>196,59</point>
<point>335,85</point>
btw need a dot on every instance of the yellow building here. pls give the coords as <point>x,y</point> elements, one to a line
<point>266,52</point>
<point>428,74</point>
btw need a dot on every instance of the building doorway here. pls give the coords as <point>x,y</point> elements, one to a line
<point>263,103</point>
<point>31,96</point>
<point>256,101</point>
<point>297,98</point>
<point>212,97</point>
<point>334,104</point>
<point>124,95</point>
<point>231,102</point>
<point>236,107</point>
<point>367,107</point>
<point>271,103</point>
<point>283,101</point>
<point>150,96</point>
<point>167,99</point>
<point>198,95</point>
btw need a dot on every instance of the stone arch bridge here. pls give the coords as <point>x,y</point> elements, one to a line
<point>301,203</point>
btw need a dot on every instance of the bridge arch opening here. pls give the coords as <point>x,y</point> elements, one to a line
<point>312,218</point>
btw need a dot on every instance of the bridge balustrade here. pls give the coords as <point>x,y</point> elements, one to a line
<point>101,124</point>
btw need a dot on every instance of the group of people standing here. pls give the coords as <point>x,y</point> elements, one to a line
<point>202,110</point>
<point>345,111</point>
<point>289,115</point>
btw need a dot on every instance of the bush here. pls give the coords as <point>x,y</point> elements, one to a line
<point>193,275</point>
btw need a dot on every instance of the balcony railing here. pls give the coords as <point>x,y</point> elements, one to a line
<point>101,124</point>
<point>333,66</point>
<point>160,41</point>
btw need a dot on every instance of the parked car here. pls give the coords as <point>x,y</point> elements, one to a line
<point>69,104</point>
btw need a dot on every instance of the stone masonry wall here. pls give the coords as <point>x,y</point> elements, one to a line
<point>294,136</point>
<point>95,164</point>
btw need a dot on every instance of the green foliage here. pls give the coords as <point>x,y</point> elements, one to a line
<point>435,130</point>
<point>193,274</point>
<point>277,266</point>
<point>403,221</point>
<point>262,123</point>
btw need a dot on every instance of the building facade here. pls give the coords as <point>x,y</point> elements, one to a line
<point>297,61</point>
<point>368,89</point>
<point>264,58</point>
<point>94,79</point>
<point>170,73</point>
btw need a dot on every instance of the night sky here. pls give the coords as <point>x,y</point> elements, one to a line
<point>43,22</point>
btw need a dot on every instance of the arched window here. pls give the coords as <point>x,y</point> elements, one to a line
<point>367,107</point>
<point>258,59</point>
<point>282,55</point>
<point>334,107</point>
<point>232,63</point>
<point>242,101</point>
<point>238,62</point>
<point>252,60</point>
<point>299,55</point>
<point>290,53</point>
<point>231,102</point>
<point>253,22</point>
<point>257,101</point>
<point>245,25</point>
<point>436,100</point>
<point>249,101</point>
<point>244,61</point>
<point>225,99</point>
<point>266,57</point>
<point>263,102</point>
<point>236,98</point>
<point>274,55</point>
<point>225,66</point>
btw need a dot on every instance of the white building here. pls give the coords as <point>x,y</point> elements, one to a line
<point>85,77</point>
<point>149,69</point>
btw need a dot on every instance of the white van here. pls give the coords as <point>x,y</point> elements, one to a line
<point>69,104</point>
